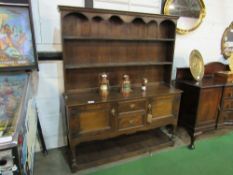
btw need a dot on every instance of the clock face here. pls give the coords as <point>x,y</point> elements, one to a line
<point>196,65</point>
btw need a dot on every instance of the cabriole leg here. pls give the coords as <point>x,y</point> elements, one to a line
<point>192,143</point>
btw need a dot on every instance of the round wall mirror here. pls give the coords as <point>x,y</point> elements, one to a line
<point>227,42</point>
<point>191,13</point>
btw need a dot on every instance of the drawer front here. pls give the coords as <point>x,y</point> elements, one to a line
<point>93,107</point>
<point>228,92</point>
<point>131,120</point>
<point>90,119</point>
<point>227,104</point>
<point>135,105</point>
<point>227,116</point>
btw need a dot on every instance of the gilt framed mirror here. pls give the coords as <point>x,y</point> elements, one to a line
<point>227,42</point>
<point>191,13</point>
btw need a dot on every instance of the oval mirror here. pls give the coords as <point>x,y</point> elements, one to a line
<point>230,61</point>
<point>227,42</point>
<point>191,13</point>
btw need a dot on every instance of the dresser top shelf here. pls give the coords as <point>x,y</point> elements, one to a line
<point>93,97</point>
<point>73,38</point>
<point>101,65</point>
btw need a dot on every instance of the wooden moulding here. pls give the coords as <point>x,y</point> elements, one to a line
<point>223,77</point>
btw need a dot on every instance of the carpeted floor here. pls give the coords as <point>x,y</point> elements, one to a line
<point>212,157</point>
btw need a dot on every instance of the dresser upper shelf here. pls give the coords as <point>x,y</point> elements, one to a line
<point>78,38</point>
<point>128,64</point>
<point>140,45</point>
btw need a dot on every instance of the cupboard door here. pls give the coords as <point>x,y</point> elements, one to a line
<point>209,103</point>
<point>163,107</point>
<point>90,120</point>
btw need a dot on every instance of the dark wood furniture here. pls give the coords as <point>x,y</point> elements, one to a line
<point>226,107</point>
<point>226,110</point>
<point>205,105</point>
<point>117,43</point>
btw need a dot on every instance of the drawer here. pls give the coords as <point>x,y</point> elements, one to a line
<point>228,92</point>
<point>131,120</point>
<point>227,104</point>
<point>93,107</point>
<point>226,116</point>
<point>135,105</point>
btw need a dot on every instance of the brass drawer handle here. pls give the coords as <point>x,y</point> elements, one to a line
<point>149,107</point>
<point>149,114</point>
<point>113,112</point>
<point>149,118</point>
<point>132,106</point>
<point>131,122</point>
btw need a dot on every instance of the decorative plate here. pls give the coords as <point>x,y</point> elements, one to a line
<point>196,65</point>
<point>230,60</point>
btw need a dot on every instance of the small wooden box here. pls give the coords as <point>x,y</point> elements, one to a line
<point>223,77</point>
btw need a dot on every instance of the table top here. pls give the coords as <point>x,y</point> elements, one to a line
<point>204,83</point>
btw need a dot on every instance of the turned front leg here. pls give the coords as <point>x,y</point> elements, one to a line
<point>172,130</point>
<point>74,165</point>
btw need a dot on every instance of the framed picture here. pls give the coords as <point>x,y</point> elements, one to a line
<point>17,43</point>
